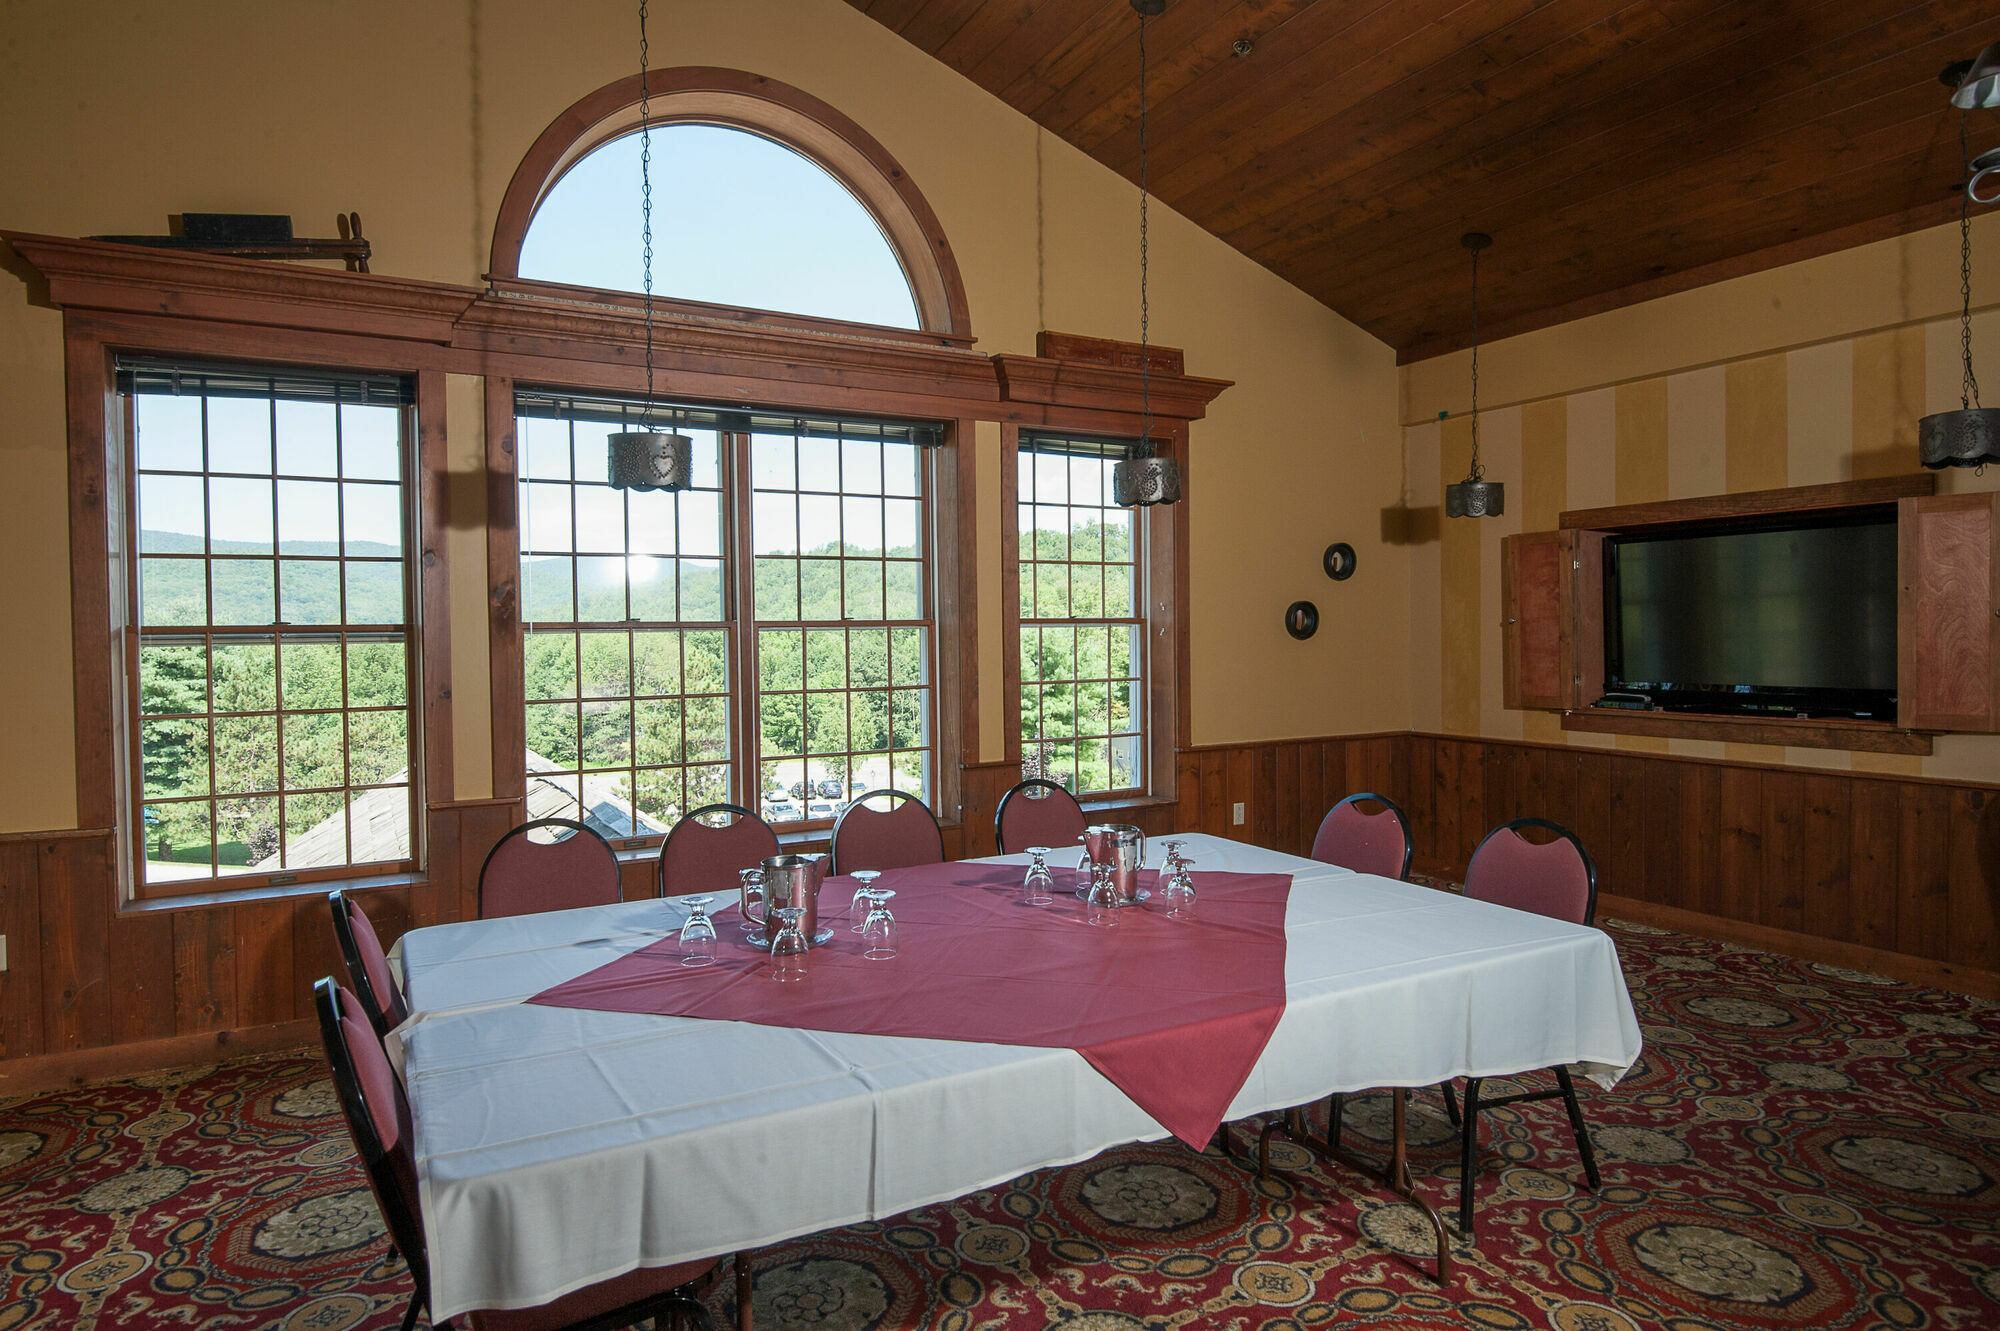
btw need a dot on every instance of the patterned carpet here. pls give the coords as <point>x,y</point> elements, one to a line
<point>1801,1146</point>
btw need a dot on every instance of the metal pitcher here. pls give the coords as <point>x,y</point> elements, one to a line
<point>1122,847</point>
<point>789,880</point>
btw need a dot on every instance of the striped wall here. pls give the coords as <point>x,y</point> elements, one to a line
<point>1838,410</point>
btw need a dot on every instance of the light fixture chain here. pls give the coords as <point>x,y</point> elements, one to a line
<point>646,196</point>
<point>1145,310</point>
<point>1968,392</point>
<point>1477,473</point>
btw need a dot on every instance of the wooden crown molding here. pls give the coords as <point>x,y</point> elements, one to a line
<point>1752,503</point>
<point>1068,383</point>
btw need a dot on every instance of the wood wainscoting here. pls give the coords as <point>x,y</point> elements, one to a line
<point>93,991</point>
<point>1899,875</point>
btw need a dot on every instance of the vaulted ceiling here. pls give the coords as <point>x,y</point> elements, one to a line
<point>1615,149</point>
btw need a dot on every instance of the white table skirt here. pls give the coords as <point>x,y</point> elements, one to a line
<point>558,1147</point>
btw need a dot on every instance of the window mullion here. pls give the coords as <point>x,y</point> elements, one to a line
<point>745,685</point>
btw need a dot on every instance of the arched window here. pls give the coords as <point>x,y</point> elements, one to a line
<point>737,220</point>
<point>763,198</point>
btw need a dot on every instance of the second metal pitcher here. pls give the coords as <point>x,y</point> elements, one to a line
<point>1122,847</point>
<point>789,880</point>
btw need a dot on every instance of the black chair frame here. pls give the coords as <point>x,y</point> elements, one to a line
<point>1021,789</point>
<point>887,792</point>
<point>676,1307</point>
<point>378,1008</point>
<point>523,830</point>
<point>1402,820</point>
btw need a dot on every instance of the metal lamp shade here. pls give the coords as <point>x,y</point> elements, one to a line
<point>1474,499</point>
<point>1968,438</point>
<point>650,460</point>
<point>1141,482</point>
<point>1980,85</point>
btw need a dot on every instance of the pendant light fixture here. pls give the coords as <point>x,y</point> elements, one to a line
<point>1970,436</point>
<point>648,459</point>
<point>1475,496</point>
<point>1144,478</point>
<point>1976,82</point>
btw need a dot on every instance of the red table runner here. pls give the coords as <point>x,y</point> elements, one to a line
<point>1174,1013</point>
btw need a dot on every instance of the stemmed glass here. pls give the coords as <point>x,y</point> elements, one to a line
<point>1179,893</point>
<point>1101,907</point>
<point>1174,854</point>
<point>788,949</point>
<point>878,932</point>
<point>857,909</point>
<point>1038,888</point>
<point>752,888</point>
<point>698,934</point>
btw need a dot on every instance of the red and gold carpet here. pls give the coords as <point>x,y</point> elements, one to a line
<point>1800,1146</point>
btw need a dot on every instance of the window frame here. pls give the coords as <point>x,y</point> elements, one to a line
<point>740,624</point>
<point>1162,596</point>
<point>136,635</point>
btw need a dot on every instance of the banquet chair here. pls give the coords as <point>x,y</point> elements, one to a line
<point>1555,878</point>
<point>1037,813</point>
<point>378,1122</point>
<point>700,856</point>
<point>1353,838</point>
<point>522,875</point>
<point>367,966</point>
<point>903,835</point>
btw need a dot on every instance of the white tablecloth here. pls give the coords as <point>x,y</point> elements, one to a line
<point>558,1147</point>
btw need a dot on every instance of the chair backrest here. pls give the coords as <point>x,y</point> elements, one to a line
<point>906,834</point>
<point>1555,878</point>
<point>367,965</point>
<point>378,1120</point>
<point>522,875</point>
<point>705,857</point>
<point>1037,813</point>
<point>1354,838</point>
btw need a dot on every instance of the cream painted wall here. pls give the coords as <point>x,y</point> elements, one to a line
<point>1812,373</point>
<point>118,114</point>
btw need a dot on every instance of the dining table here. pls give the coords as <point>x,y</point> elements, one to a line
<point>562,1138</point>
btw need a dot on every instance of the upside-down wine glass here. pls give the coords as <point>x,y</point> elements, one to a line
<point>788,949</point>
<point>878,933</point>
<point>857,909</point>
<point>1180,891</point>
<point>1039,887</point>
<point>698,934</point>
<point>1100,908</point>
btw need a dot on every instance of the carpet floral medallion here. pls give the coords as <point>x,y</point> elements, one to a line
<point>1799,1146</point>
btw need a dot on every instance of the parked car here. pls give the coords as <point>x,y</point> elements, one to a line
<point>781,811</point>
<point>829,787</point>
<point>820,809</point>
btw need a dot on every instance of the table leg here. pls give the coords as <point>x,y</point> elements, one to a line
<point>1395,1175</point>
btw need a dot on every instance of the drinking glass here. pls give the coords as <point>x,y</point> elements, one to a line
<point>878,934</point>
<point>1179,895</point>
<point>1101,907</point>
<point>857,910</point>
<point>1174,854</point>
<point>698,934</point>
<point>788,949</point>
<point>752,890</point>
<point>1038,888</point>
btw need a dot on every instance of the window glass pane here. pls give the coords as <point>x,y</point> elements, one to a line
<point>650,519</point>
<point>371,443</point>
<point>315,831</point>
<point>374,592</point>
<point>309,591</point>
<point>772,462</point>
<point>169,432</point>
<point>246,754</point>
<point>774,519</point>
<point>545,518</point>
<point>172,678</point>
<point>600,588</point>
<point>315,750</point>
<point>246,675</point>
<point>310,673</point>
<point>245,591</point>
<point>652,589</point>
<point>307,442</point>
<point>177,841</point>
<point>173,591</point>
<point>373,519</point>
<point>239,434</point>
<point>247,834</point>
<point>547,590</point>
<point>239,516</point>
<point>600,518</point>
<point>544,448</point>
<point>173,516</point>
<point>861,466</point>
<point>377,674</point>
<point>701,590</point>
<point>308,518</point>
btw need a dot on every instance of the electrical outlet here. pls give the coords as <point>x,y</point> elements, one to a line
<point>1236,815</point>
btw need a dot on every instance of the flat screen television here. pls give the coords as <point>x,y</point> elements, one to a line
<point>1793,617</point>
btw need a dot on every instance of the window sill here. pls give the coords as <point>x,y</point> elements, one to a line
<point>319,887</point>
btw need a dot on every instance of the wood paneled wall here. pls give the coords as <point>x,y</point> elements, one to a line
<point>84,976</point>
<point>1902,867</point>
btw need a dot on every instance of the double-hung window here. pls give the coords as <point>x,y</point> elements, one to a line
<point>763,638</point>
<point>1082,621</point>
<point>270,653</point>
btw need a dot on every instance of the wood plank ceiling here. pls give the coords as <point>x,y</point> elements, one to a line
<point>1616,149</point>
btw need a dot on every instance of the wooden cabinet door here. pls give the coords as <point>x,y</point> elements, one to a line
<point>1948,613</point>
<point>1534,644</point>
